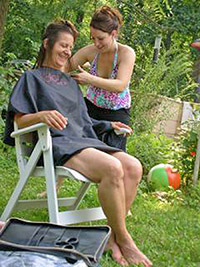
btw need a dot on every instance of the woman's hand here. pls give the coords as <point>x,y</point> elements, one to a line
<point>54,119</point>
<point>117,125</point>
<point>83,77</point>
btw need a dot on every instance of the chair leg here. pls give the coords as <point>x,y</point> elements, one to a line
<point>24,175</point>
<point>80,195</point>
<point>51,188</point>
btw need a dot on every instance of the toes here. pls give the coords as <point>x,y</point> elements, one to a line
<point>2,224</point>
<point>123,262</point>
<point>120,260</point>
<point>147,263</point>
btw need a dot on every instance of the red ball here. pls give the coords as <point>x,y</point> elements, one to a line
<point>162,176</point>
<point>174,177</point>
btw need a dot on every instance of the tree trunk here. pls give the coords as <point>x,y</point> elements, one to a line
<point>79,17</point>
<point>3,12</point>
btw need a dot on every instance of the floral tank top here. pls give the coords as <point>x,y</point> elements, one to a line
<point>107,99</point>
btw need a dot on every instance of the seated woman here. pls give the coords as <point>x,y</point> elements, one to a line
<point>46,94</point>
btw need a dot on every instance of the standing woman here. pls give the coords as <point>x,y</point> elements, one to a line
<point>111,67</point>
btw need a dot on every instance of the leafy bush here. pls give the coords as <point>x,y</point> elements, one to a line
<point>8,77</point>
<point>184,151</point>
<point>7,80</point>
<point>170,77</point>
<point>10,71</point>
<point>150,149</point>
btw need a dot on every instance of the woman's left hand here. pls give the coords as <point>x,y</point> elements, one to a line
<point>117,125</point>
<point>83,77</point>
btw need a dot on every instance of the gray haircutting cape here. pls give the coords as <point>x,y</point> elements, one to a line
<point>50,89</point>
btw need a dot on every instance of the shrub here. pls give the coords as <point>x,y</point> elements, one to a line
<point>170,76</point>
<point>150,149</point>
<point>184,151</point>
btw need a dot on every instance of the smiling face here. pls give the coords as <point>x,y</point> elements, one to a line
<point>103,41</point>
<point>57,56</point>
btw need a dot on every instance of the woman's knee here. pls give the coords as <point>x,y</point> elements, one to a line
<point>113,172</point>
<point>134,169</point>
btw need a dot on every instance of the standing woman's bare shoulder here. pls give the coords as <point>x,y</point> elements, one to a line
<point>125,52</point>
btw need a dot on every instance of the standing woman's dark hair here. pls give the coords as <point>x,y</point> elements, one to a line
<point>106,19</point>
<point>51,33</point>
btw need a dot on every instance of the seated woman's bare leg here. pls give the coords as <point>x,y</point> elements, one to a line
<point>132,175</point>
<point>107,170</point>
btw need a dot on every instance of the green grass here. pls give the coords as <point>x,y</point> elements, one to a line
<point>166,227</point>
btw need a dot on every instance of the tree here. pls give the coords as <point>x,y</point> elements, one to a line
<point>3,12</point>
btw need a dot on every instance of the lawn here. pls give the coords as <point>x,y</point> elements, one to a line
<point>165,226</point>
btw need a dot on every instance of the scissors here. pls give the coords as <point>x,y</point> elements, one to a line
<point>69,243</point>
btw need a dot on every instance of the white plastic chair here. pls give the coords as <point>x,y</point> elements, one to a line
<point>27,159</point>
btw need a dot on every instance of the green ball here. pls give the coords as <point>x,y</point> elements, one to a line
<point>157,177</point>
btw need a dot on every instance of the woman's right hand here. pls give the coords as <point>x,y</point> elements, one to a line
<point>54,119</point>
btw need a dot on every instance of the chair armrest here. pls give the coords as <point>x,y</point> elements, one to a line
<point>29,129</point>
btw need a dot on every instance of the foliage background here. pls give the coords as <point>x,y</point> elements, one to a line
<point>166,226</point>
<point>177,22</point>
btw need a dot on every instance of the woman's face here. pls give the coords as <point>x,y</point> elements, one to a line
<point>57,57</point>
<point>102,40</point>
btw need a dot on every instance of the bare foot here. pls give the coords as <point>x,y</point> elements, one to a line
<point>115,251</point>
<point>42,194</point>
<point>58,186</point>
<point>132,254</point>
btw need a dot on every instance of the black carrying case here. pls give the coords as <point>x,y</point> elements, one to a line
<point>43,237</point>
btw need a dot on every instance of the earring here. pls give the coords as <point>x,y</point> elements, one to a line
<point>114,40</point>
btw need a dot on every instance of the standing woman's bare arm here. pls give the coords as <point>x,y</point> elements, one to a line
<point>82,56</point>
<point>126,65</point>
<point>125,70</point>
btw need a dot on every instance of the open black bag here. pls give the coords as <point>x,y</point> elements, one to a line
<point>71,242</point>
